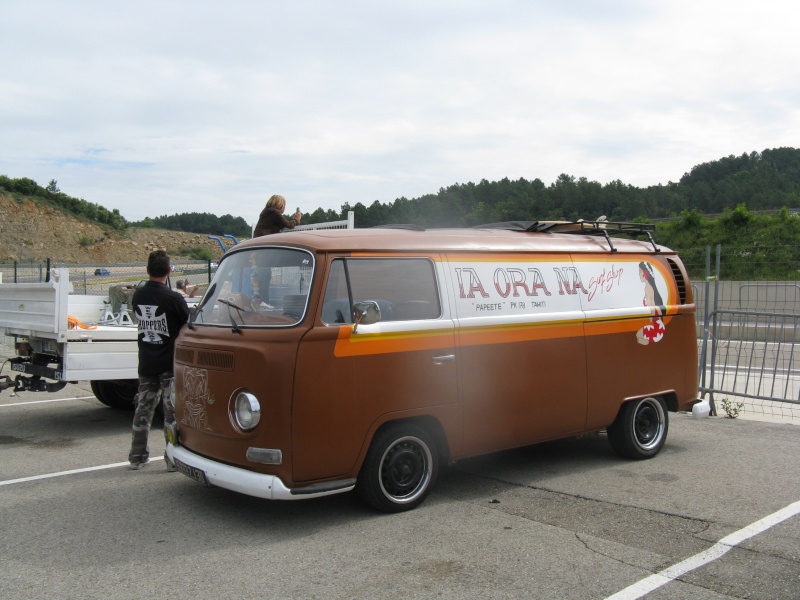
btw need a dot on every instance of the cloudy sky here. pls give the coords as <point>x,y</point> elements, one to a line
<point>164,107</point>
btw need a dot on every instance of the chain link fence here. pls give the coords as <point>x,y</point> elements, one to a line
<point>97,279</point>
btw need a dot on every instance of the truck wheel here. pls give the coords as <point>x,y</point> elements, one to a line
<point>98,391</point>
<point>399,470</point>
<point>116,393</point>
<point>640,429</point>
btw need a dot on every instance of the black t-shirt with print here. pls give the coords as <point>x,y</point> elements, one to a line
<point>161,313</point>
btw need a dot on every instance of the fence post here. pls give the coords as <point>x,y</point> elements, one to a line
<point>15,272</point>
<point>714,329</point>
<point>704,344</point>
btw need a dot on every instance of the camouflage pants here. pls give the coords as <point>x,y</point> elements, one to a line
<point>152,390</point>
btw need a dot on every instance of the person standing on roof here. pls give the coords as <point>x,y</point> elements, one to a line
<point>271,220</point>
<point>161,312</point>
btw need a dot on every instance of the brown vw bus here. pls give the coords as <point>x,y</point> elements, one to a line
<point>319,362</point>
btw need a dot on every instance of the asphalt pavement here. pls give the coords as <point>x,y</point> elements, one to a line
<point>566,519</point>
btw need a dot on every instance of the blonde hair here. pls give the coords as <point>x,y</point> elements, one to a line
<point>277,202</point>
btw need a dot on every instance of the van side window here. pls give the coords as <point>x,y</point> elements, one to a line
<point>404,288</point>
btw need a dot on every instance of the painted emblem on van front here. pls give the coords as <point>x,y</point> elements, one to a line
<point>654,331</point>
<point>197,398</point>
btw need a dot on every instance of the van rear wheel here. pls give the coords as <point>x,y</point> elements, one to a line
<point>400,468</point>
<point>640,429</point>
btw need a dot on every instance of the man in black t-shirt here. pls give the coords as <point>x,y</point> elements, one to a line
<point>161,312</point>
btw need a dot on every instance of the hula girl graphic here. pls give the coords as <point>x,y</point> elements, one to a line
<point>654,331</point>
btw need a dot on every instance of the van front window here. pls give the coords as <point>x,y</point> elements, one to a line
<point>258,287</point>
<point>404,289</point>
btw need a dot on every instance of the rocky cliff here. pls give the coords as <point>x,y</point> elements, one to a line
<point>31,231</point>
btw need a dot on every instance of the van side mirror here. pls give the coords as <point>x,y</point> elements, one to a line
<point>367,312</point>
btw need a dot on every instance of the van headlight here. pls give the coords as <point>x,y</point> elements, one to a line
<point>246,410</point>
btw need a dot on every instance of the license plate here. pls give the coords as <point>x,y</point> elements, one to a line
<point>18,367</point>
<point>192,472</point>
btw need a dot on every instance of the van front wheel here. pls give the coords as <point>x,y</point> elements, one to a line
<point>399,470</point>
<point>640,429</point>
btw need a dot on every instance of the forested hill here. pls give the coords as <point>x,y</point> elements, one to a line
<point>200,223</point>
<point>765,180</point>
<point>759,180</point>
<point>52,196</point>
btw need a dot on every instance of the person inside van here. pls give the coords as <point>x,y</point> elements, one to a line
<point>271,220</point>
<point>185,289</point>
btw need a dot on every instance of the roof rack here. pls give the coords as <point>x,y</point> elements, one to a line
<point>599,227</point>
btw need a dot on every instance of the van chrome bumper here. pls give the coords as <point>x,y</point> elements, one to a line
<point>251,483</point>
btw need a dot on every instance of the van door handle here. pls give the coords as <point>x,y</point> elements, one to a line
<point>438,360</point>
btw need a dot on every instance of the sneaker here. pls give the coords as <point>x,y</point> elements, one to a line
<point>135,466</point>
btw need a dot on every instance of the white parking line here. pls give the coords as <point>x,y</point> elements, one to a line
<point>43,401</point>
<point>648,584</point>
<point>72,472</point>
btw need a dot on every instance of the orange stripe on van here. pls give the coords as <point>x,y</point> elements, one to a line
<point>361,344</point>
<point>526,332</point>
<point>509,257</point>
<point>602,327</point>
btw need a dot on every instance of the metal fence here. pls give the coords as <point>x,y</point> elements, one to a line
<point>749,344</point>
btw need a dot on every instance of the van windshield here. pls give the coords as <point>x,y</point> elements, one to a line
<point>259,287</point>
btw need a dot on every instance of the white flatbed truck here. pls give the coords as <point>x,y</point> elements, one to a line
<point>51,352</point>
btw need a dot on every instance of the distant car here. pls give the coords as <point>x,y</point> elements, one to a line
<point>102,272</point>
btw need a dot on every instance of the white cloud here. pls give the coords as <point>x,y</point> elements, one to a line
<point>157,108</point>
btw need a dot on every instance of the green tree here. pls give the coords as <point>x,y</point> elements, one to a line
<point>25,186</point>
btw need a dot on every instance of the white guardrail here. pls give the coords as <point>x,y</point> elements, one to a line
<point>348,223</point>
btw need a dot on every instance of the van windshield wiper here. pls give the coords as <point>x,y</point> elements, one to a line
<point>199,308</point>
<point>234,327</point>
